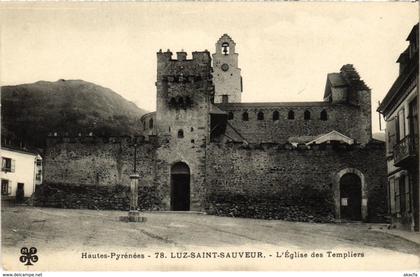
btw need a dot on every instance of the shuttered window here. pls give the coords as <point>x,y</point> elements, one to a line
<point>401,125</point>
<point>397,196</point>
<point>407,191</point>
<point>7,165</point>
<point>392,195</point>
<point>391,135</point>
<point>5,187</point>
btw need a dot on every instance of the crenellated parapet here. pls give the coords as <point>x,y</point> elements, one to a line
<point>269,146</point>
<point>56,139</point>
<point>199,65</point>
<point>180,79</point>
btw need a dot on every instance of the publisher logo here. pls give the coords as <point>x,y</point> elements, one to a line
<point>28,256</point>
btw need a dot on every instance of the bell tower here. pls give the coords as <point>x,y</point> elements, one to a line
<point>226,73</point>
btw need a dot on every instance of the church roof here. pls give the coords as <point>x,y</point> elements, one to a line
<point>272,104</point>
<point>336,80</point>
<point>331,136</point>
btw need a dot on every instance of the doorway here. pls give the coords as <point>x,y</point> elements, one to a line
<point>180,187</point>
<point>350,197</point>
<point>20,192</point>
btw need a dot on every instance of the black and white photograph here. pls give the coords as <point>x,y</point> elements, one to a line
<point>209,136</point>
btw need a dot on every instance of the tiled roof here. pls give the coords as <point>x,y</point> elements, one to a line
<point>336,80</point>
<point>20,150</point>
<point>272,104</point>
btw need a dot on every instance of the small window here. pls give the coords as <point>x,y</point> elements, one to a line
<point>291,115</point>
<point>245,116</point>
<point>276,115</point>
<point>260,116</point>
<point>188,101</point>
<point>225,98</point>
<point>324,115</point>
<point>307,115</point>
<point>172,102</point>
<point>180,133</point>
<point>7,165</point>
<point>230,115</point>
<point>38,175</point>
<point>180,101</point>
<point>151,123</point>
<point>5,190</point>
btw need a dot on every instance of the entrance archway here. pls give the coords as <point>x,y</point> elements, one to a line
<point>350,197</point>
<point>180,187</point>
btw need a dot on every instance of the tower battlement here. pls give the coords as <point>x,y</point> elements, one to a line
<point>181,56</point>
<point>183,69</point>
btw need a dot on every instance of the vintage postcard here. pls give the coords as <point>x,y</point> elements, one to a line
<point>209,136</point>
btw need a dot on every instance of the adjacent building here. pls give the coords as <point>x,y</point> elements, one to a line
<point>400,110</point>
<point>21,171</point>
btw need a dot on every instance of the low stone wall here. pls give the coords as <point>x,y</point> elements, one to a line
<point>72,196</point>
<point>309,205</point>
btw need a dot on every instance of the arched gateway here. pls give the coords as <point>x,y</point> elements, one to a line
<point>180,187</point>
<point>350,195</point>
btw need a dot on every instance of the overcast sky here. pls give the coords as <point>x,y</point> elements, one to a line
<point>285,49</point>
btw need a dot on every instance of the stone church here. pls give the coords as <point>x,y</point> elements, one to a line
<point>203,149</point>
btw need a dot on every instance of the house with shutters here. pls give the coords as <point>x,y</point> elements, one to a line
<point>400,110</point>
<point>21,171</point>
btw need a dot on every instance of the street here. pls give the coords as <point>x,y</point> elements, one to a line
<point>74,232</point>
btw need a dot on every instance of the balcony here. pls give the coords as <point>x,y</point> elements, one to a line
<point>405,151</point>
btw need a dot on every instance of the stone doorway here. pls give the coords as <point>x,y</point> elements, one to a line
<point>180,187</point>
<point>354,187</point>
<point>351,197</point>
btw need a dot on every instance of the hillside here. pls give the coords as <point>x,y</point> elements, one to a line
<point>31,111</point>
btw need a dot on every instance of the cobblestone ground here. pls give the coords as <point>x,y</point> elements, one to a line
<point>61,232</point>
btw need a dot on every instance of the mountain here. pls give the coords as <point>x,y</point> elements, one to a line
<point>32,111</point>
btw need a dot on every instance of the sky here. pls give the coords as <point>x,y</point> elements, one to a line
<point>286,49</point>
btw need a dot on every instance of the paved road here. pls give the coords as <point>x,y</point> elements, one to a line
<point>76,231</point>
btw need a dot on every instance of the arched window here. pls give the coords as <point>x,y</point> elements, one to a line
<point>260,116</point>
<point>324,115</point>
<point>180,101</point>
<point>172,102</point>
<point>307,115</point>
<point>188,101</point>
<point>276,115</point>
<point>180,133</point>
<point>230,115</point>
<point>245,116</point>
<point>291,115</point>
<point>144,126</point>
<point>225,48</point>
<point>151,123</point>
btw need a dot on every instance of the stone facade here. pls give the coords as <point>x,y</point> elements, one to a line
<point>226,72</point>
<point>201,154</point>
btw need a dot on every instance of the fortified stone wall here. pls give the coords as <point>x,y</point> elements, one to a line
<point>93,173</point>
<point>97,161</point>
<point>276,181</point>
<point>352,121</point>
